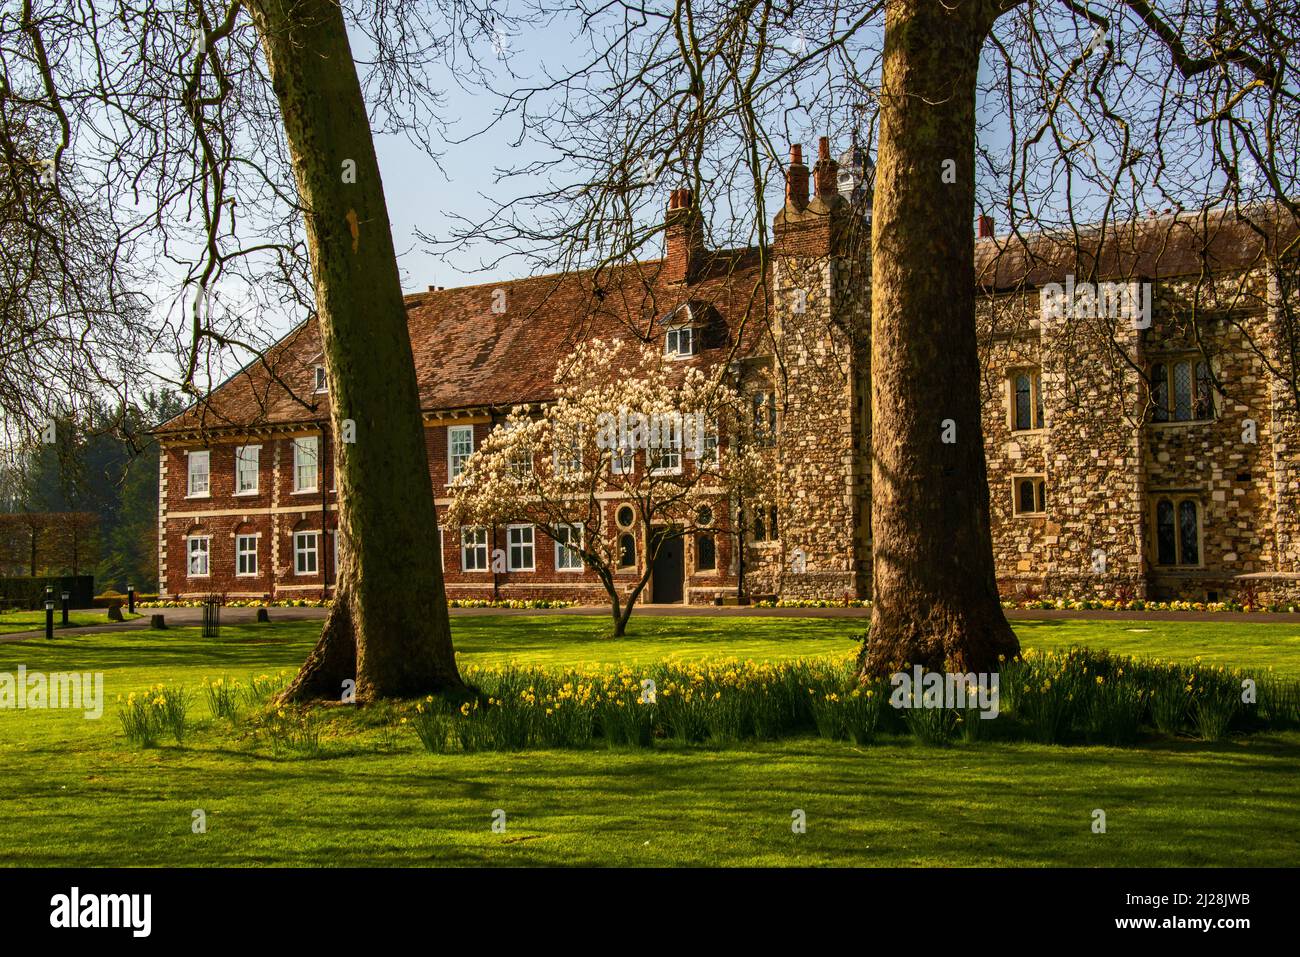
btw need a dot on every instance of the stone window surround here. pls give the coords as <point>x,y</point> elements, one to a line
<point>632,566</point>
<point>1035,374</point>
<point>190,553</point>
<point>1016,479</point>
<point>1176,496</point>
<point>766,517</point>
<point>1169,360</point>
<point>764,401</point>
<point>695,553</point>
<point>314,551</point>
<point>257,544</point>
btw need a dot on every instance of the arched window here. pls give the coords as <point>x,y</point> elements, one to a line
<point>706,555</point>
<point>1160,392</point>
<point>627,551</point>
<point>1178,531</point>
<point>1181,391</point>
<point>1189,534</point>
<point>1026,495</point>
<point>1166,533</point>
<point>1027,400</point>
<point>1029,495</point>
<point>1204,408</point>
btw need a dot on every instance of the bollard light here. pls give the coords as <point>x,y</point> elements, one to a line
<point>49,615</point>
<point>130,599</point>
<point>66,596</point>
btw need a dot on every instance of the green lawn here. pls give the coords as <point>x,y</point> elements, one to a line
<point>74,792</point>
<point>14,621</point>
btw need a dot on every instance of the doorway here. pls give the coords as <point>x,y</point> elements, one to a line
<point>666,586</point>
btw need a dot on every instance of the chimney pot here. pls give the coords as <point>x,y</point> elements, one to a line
<point>684,231</point>
<point>796,179</point>
<point>826,172</point>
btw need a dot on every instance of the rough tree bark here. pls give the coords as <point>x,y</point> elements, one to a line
<point>389,626</point>
<point>934,599</point>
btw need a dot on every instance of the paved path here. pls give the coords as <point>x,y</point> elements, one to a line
<point>188,617</point>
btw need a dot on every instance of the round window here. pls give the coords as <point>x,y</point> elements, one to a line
<point>626,516</point>
<point>704,516</point>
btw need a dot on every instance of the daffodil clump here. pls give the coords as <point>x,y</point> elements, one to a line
<point>1062,696</point>
<point>716,701</point>
<point>146,716</point>
<point>814,603</point>
<point>510,603</point>
<point>1074,696</point>
<point>222,695</point>
<point>240,603</point>
<point>1052,697</point>
<point>225,695</point>
<point>292,730</point>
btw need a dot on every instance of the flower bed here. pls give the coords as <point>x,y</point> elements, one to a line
<point>327,602</point>
<point>1077,696</point>
<point>1141,604</point>
<point>1067,604</point>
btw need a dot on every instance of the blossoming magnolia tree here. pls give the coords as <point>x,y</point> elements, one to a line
<point>629,429</point>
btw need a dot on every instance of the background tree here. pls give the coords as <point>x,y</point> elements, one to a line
<point>236,138</point>
<point>104,464</point>
<point>556,466</point>
<point>71,328</point>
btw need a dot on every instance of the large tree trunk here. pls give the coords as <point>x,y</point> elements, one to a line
<point>934,599</point>
<point>390,614</point>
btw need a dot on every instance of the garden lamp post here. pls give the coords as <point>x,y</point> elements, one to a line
<point>66,596</point>
<point>49,615</point>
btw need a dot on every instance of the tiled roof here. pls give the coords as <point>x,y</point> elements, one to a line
<point>1156,248</point>
<point>467,355</point>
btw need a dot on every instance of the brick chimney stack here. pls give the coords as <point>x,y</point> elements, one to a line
<point>826,172</point>
<point>986,227</point>
<point>796,180</point>
<point>684,231</point>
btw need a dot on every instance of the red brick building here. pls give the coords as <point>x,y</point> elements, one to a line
<point>1132,478</point>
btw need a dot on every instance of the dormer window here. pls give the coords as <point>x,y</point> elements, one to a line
<point>680,342</point>
<point>322,383</point>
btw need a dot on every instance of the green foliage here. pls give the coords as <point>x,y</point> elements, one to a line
<point>107,465</point>
<point>727,806</point>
